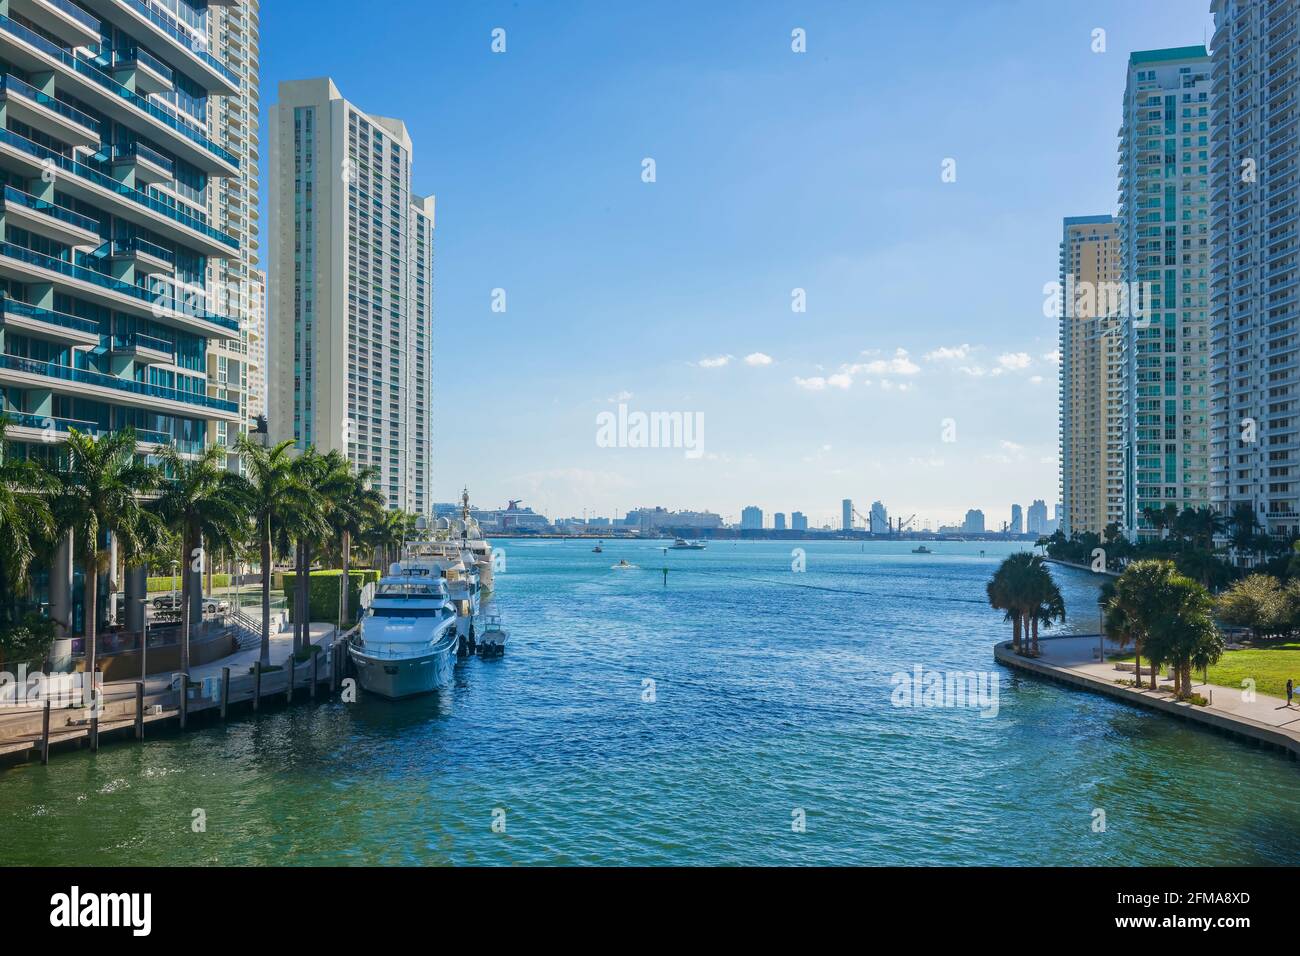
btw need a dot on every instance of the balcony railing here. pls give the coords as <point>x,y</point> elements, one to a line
<point>130,152</point>
<point>90,174</point>
<point>167,23</point>
<point>186,128</point>
<point>10,306</point>
<point>29,420</point>
<point>139,246</point>
<point>61,213</point>
<point>168,299</point>
<point>10,82</point>
<point>146,59</point>
<point>138,340</point>
<point>82,376</point>
<point>78,14</point>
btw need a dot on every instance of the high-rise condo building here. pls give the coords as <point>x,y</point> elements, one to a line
<point>351,294</point>
<point>846,514</point>
<point>1092,297</point>
<point>1164,243</point>
<point>751,518</point>
<point>237,366</point>
<point>1255,264</point>
<point>1017,520</point>
<point>115,151</point>
<point>1036,518</point>
<point>974,523</point>
<point>798,521</point>
<point>778,521</point>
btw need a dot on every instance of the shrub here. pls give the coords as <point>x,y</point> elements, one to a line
<point>170,583</point>
<point>323,593</point>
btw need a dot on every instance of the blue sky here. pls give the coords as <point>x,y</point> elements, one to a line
<point>774,171</point>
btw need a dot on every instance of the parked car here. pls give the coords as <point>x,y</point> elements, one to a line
<point>172,602</point>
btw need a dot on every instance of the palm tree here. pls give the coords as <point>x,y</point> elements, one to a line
<point>1181,629</point>
<point>25,519</point>
<point>326,478</point>
<point>1138,606</point>
<point>200,501</point>
<point>1244,525</point>
<point>1001,592</point>
<point>100,492</point>
<point>1045,603</point>
<point>357,508</point>
<point>272,495</point>
<point>1023,588</point>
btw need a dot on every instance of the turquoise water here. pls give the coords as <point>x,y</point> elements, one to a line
<point>771,695</point>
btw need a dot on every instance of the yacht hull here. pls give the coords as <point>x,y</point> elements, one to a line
<point>395,678</point>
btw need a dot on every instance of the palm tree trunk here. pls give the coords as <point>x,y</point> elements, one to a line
<point>1016,625</point>
<point>89,597</point>
<point>1137,662</point>
<point>345,582</point>
<point>1034,621</point>
<point>266,595</point>
<point>186,622</point>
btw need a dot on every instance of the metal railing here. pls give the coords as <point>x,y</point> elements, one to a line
<point>82,376</point>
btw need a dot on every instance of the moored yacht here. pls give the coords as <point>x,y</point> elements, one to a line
<point>407,640</point>
<point>681,544</point>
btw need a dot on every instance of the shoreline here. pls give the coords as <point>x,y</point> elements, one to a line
<point>1242,721</point>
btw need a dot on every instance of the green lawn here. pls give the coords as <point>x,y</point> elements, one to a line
<point>1269,666</point>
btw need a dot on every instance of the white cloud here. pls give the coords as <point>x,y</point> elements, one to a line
<point>718,361</point>
<point>1011,446</point>
<point>814,384</point>
<point>975,371</point>
<point>945,353</point>
<point>758,358</point>
<point>1035,380</point>
<point>1014,360</point>
<point>900,364</point>
<point>1053,357</point>
<point>838,380</point>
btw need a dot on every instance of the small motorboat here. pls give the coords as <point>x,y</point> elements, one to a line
<point>493,639</point>
<point>681,544</point>
<point>623,566</point>
<point>922,549</point>
<point>598,549</point>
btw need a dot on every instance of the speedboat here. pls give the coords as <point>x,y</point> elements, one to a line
<point>407,641</point>
<point>922,549</point>
<point>681,544</point>
<point>597,549</point>
<point>493,639</point>
<point>622,566</point>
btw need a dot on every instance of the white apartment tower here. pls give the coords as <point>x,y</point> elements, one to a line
<point>1255,267</point>
<point>1164,241</point>
<point>237,366</point>
<point>351,290</point>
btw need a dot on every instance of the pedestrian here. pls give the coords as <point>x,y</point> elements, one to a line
<point>1290,691</point>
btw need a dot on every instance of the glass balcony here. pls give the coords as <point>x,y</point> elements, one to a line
<point>76,323</point>
<point>16,363</point>
<point>43,422</point>
<point>78,14</point>
<point>135,341</point>
<point>61,213</point>
<point>86,68</point>
<point>168,24</point>
<point>11,83</point>
<point>146,59</point>
<point>160,298</point>
<point>108,182</point>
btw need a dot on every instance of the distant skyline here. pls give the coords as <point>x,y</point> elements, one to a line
<point>774,171</point>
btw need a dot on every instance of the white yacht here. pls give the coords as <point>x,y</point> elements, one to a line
<point>407,640</point>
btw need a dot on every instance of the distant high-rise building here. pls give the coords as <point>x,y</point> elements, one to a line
<point>1037,517</point>
<point>879,518</point>
<point>1165,248</point>
<point>798,521</point>
<point>751,518</point>
<point>351,268</point>
<point>778,521</point>
<point>846,514</point>
<point>974,523</point>
<point>1091,373</point>
<point>1255,261</point>
<point>1017,520</point>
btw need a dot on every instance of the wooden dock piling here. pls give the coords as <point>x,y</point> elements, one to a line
<point>139,710</point>
<point>45,734</point>
<point>225,692</point>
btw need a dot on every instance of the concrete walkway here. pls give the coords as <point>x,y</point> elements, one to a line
<point>1074,660</point>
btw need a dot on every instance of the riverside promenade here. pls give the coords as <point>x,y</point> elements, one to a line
<point>1073,660</point>
<point>22,731</point>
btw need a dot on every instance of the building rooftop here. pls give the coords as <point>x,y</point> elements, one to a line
<point>1172,53</point>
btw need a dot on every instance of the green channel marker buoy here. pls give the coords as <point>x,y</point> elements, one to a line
<point>665,577</point>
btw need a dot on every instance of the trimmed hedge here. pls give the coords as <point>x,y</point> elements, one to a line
<point>170,583</point>
<point>323,593</point>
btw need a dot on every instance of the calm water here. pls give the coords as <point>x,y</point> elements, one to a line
<point>772,694</point>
